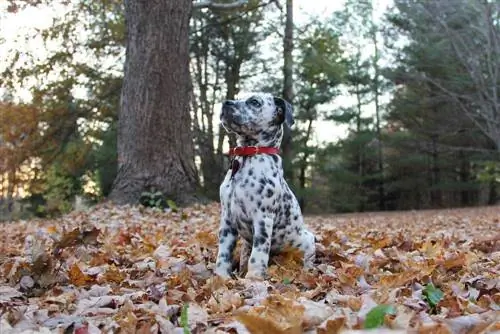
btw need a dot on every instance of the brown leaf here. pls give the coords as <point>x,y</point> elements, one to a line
<point>332,326</point>
<point>113,274</point>
<point>260,325</point>
<point>69,239</point>
<point>126,318</point>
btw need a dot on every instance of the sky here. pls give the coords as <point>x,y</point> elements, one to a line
<point>35,18</point>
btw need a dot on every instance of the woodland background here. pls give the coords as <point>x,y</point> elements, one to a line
<point>422,131</point>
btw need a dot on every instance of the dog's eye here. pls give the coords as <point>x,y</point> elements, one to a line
<point>254,102</point>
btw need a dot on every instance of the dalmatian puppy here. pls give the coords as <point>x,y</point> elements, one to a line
<point>256,202</point>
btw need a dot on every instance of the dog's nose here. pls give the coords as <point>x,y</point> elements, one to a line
<point>228,103</point>
<point>225,112</point>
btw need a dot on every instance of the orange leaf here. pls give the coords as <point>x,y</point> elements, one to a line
<point>206,239</point>
<point>454,261</point>
<point>395,280</point>
<point>77,277</point>
<point>333,326</point>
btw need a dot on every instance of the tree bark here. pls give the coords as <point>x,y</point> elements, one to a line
<point>288,95</point>
<point>155,144</point>
<point>376,92</point>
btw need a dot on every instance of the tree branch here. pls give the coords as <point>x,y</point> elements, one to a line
<point>235,17</point>
<point>213,5</point>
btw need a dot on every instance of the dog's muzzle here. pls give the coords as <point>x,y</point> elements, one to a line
<point>227,113</point>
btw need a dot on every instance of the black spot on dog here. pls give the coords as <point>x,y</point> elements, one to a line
<point>261,189</point>
<point>269,193</point>
<point>287,211</point>
<point>275,158</point>
<point>252,260</point>
<point>262,224</point>
<point>257,241</point>
<point>267,136</point>
<point>225,232</point>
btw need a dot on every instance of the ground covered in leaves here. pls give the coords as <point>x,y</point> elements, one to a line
<point>136,270</point>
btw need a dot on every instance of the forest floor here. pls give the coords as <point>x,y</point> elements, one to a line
<point>136,270</point>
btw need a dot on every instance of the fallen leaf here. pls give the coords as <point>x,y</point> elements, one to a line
<point>77,277</point>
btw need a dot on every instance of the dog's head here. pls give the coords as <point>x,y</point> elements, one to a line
<point>259,118</point>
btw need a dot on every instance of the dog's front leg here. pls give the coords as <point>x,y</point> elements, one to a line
<point>227,241</point>
<point>309,248</point>
<point>259,256</point>
<point>245,251</point>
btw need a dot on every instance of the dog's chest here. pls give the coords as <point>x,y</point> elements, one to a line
<point>253,187</point>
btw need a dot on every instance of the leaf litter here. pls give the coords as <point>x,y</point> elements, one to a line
<point>134,270</point>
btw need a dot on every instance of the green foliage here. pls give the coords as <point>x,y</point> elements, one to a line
<point>375,317</point>
<point>184,318</point>
<point>432,295</point>
<point>320,68</point>
<point>489,172</point>
<point>59,189</point>
<point>104,160</point>
<point>171,204</point>
<point>153,199</point>
<point>78,136</point>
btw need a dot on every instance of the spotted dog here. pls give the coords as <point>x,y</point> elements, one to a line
<point>256,202</point>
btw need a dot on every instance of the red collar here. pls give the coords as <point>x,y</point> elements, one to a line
<point>252,150</point>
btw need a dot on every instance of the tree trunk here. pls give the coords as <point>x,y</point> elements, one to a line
<point>303,167</point>
<point>464,179</point>
<point>155,146</point>
<point>492,194</point>
<point>436,194</point>
<point>288,88</point>
<point>232,76</point>
<point>376,92</point>
<point>360,148</point>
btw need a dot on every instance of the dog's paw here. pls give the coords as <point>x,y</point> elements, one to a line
<point>223,273</point>
<point>309,263</point>
<point>256,275</point>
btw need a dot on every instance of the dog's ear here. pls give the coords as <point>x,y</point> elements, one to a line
<point>285,111</point>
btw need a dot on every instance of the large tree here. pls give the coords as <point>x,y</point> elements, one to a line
<point>155,146</point>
